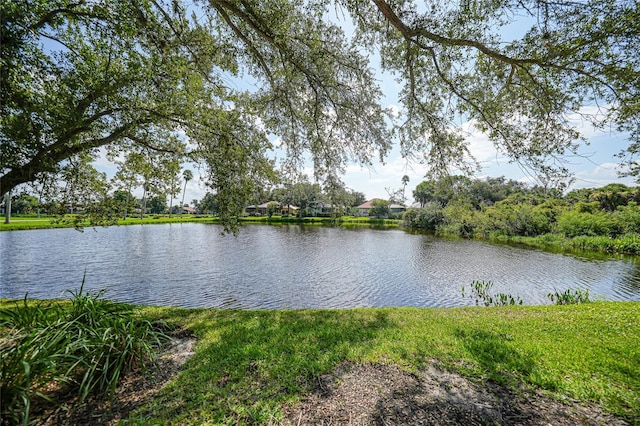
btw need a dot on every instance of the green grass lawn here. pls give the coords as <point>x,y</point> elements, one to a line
<point>32,222</point>
<point>248,363</point>
<point>23,223</point>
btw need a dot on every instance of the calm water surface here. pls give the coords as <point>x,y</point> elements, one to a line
<point>289,266</point>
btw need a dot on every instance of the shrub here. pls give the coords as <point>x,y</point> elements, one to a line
<point>627,218</point>
<point>429,217</point>
<point>460,219</point>
<point>573,224</point>
<point>88,344</point>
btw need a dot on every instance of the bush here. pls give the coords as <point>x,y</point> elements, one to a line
<point>574,223</point>
<point>627,218</point>
<point>429,217</point>
<point>88,344</point>
<point>460,219</point>
<point>524,219</point>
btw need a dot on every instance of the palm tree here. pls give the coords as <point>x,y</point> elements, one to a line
<point>187,175</point>
<point>405,181</point>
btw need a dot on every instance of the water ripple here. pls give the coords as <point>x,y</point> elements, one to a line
<point>266,267</point>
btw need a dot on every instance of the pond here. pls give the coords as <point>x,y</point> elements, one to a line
<point>291,266</point>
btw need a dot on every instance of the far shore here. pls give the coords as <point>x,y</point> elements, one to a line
<point>48,222</point>
<point>625,245</point>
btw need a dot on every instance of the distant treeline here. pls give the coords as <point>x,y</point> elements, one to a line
<point>606,218</point>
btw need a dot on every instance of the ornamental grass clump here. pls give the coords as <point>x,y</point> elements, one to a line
<point>87,344</point>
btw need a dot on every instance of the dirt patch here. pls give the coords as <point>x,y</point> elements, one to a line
<point>354,394</point>
<point>386,395</point>
<point>134,391</point>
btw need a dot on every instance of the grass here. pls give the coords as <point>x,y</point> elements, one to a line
<point>31,222</point>
<point>248,363</point>
<point>46,222</point>
<point>341,221</point>
<point>628,244</point>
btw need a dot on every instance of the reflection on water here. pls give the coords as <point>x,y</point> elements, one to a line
<point>290,266</point>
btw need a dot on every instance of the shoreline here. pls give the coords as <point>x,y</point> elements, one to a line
<point>626,245</point>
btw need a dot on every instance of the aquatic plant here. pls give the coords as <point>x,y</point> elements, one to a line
<point>480,292</point>
<point>570,297</point>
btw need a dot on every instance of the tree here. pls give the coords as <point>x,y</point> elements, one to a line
<point>86,193</point>
<point>126,76</point>
<point>7,208</point>
<point>124,201</point>
<point>157,204</point>
<point>89,87</point>
<point>272,208</point>
<point>208,204</point>
<point>424,192</point>
<point>455,60</point>
<point>405,181</point>
<point>187,175</point>
<point>126,179</point>
<point>357,198</point>
<point>379,208</point>
<point>24,204</point>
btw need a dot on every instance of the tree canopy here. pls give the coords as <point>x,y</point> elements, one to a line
<point>129,76</point>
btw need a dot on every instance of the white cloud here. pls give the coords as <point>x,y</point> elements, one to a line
<point>601,175</point>
<point>480,147</point>
<point>373,181</point>
<point>583,120</point>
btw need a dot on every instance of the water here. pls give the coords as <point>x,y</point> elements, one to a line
<point>289,266</point>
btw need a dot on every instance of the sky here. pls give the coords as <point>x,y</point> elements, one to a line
<point>595,166</point>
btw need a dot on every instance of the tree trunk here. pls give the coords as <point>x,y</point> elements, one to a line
<point>126,206</point>
<point>7,207</point>
<point>143,207</point>
<point>183,192</point>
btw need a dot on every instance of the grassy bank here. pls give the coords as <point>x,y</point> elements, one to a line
<point>47,222</point>
<point>340,221</point>
<point>628,244</point>
<point>32,222</point>
<point>249,363</point>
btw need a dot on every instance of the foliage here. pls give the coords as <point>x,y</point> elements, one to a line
<point>429,217</point>
<point>208,204</point>
<point>579,220</point>
<point>272,208</point>
<point>90,89</point>
<point>154,76</point>
<point>157,205</point>
<point>572,224</point>
<point>522,219</point>
<point>460,219</point>
<point>380,208</point>
<point>570,297</point>
<point>89,344</point>
<point>24,204</point>
<point>480,292</point>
